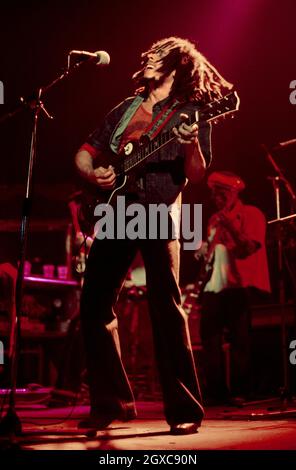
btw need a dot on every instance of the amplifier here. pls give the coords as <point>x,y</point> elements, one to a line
<point>269,315</point>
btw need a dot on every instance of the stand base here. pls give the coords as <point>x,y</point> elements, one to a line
<point>268,409</point>
<point>268,415</point>
<point>10,425</point>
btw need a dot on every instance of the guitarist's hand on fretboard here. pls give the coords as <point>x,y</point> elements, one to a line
<point>186,133</point>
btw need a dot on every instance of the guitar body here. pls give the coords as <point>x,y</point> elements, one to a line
<point>194,295</point>
<point>205,274</point>
<point>125,183</point>
<point>91,196</point>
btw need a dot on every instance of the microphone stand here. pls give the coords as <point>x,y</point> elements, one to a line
<point>276,181</point>
<point>10,424</point>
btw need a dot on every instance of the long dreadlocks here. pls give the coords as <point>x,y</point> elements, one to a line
<point>196,78</point>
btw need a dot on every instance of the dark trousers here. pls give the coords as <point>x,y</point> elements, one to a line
<point>110,391</point>
<point>226,311</point>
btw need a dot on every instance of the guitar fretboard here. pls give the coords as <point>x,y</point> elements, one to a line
<point>144,151</point>
<point>211,111</point>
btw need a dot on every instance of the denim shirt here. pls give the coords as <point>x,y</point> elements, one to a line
<point>164,176</point>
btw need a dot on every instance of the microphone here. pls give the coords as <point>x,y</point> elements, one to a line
<point>284,144</point>
<point>100,57</point>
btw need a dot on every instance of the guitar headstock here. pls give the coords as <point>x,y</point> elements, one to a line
<point>227,105</point>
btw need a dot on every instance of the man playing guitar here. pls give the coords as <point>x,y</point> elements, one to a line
<point>175,80</point>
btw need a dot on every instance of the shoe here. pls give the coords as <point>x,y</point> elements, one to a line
<point>184,428</point>
<point>95,423</point>
<point>99,423</point>
<point>238,401</point>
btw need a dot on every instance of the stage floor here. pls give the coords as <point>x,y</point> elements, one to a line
<point>224,428</point>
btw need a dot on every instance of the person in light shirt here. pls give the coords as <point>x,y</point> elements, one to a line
<point>236,241</point>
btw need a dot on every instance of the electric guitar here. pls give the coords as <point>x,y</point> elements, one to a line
<point>193,296</point>
<point>127,164</point>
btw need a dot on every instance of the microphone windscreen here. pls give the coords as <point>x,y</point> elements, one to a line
<point>104,58</point>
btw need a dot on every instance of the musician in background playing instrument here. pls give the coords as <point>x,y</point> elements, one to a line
<point>175,79</point>
<point>82,241</point>
<point>239,263</point>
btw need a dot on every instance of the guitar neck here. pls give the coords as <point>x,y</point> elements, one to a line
<point>211,111</point>
<point>145,151</point>
<point>153,146</point>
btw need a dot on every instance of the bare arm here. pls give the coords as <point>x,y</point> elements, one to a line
<point>195,163</point>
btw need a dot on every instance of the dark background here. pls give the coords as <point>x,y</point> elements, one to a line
<point>251,42</point>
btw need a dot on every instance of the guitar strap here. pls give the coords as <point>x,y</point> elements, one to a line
<point>161,119</point>
<point>154,127</point>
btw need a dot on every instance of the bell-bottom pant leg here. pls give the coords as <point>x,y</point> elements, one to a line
<point>181,392</point>
<point>107,265</point>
